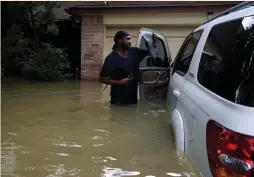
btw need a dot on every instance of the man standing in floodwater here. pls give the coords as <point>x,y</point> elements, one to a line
<point>120,70</point>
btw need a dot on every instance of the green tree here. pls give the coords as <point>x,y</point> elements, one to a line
<point>39,15</point>
<point>23,52</point>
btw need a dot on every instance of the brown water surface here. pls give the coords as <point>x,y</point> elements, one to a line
<point>69,129</point>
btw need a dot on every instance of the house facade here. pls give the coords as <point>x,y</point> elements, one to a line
<point>100,21</point>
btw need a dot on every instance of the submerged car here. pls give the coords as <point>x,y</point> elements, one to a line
<point>210,91</point>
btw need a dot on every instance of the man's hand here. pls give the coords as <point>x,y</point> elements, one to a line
<point>124,81</point>
<point>108,81</point>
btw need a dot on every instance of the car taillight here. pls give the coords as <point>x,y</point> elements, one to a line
<point>230,154</point>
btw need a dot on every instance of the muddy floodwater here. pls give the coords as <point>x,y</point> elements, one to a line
<point>61,129</point>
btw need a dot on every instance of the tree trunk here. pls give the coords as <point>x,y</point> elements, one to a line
<point>35,37</point>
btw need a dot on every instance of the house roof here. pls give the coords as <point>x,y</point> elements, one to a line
<point>60,11</point>
<point>142,4</point>
<point>63,10</point>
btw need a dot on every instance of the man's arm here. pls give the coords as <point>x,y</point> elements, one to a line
<point>106,72</point>
<point>108,81</point>
<point>142,54</point>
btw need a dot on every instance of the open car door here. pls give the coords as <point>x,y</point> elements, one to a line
<point>154,68</point>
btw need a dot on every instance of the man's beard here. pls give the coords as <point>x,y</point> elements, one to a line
<point>125,46</point>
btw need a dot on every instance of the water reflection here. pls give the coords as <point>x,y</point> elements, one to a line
<point>110,172</point>
<point>70,129</point>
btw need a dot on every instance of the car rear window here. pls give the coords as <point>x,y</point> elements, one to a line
<point>227,62</point>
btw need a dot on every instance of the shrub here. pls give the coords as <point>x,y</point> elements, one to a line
<point>14,49</point>
<point>46,63</point>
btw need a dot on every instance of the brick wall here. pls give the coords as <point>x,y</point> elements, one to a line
<point>92,43</point>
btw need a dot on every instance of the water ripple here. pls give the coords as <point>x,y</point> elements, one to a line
<point>62,154</point>
<point>174,174</point>
<point>101,130</point>
<point>97,138</point>
<point>103,159</point>
<point>112,172</point>
<point>13,134</point>
<point>98,145</point>
<point>65,144</point>
<point>61,170</point>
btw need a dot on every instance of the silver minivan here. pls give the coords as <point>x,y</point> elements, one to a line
<point>210,91</point>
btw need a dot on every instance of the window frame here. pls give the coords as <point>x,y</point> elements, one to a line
<point>166,61</point>
<point>224,22</point>
<point>182,51</point>
<point>198,66</point>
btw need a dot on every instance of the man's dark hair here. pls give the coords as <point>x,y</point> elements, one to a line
<point>119,35</point>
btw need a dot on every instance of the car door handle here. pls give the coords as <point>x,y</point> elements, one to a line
<point>176,93</point>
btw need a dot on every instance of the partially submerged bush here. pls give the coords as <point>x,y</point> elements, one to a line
<point>14,49</point>
<point>46,63</point>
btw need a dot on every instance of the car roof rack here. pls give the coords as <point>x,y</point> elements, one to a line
<point>231,10</point>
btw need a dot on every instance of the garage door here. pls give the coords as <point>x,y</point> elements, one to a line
<point>175,36</point>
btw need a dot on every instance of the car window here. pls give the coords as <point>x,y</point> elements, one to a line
<point>227,62</point>
<point>160,61</point>
<point>184,56</point>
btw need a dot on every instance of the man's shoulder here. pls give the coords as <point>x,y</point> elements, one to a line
<point>110,56</point>
<point>111,53</point>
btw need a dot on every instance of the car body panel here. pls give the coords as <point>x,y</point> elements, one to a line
<point>191,105</point>
<point>202,105</point>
